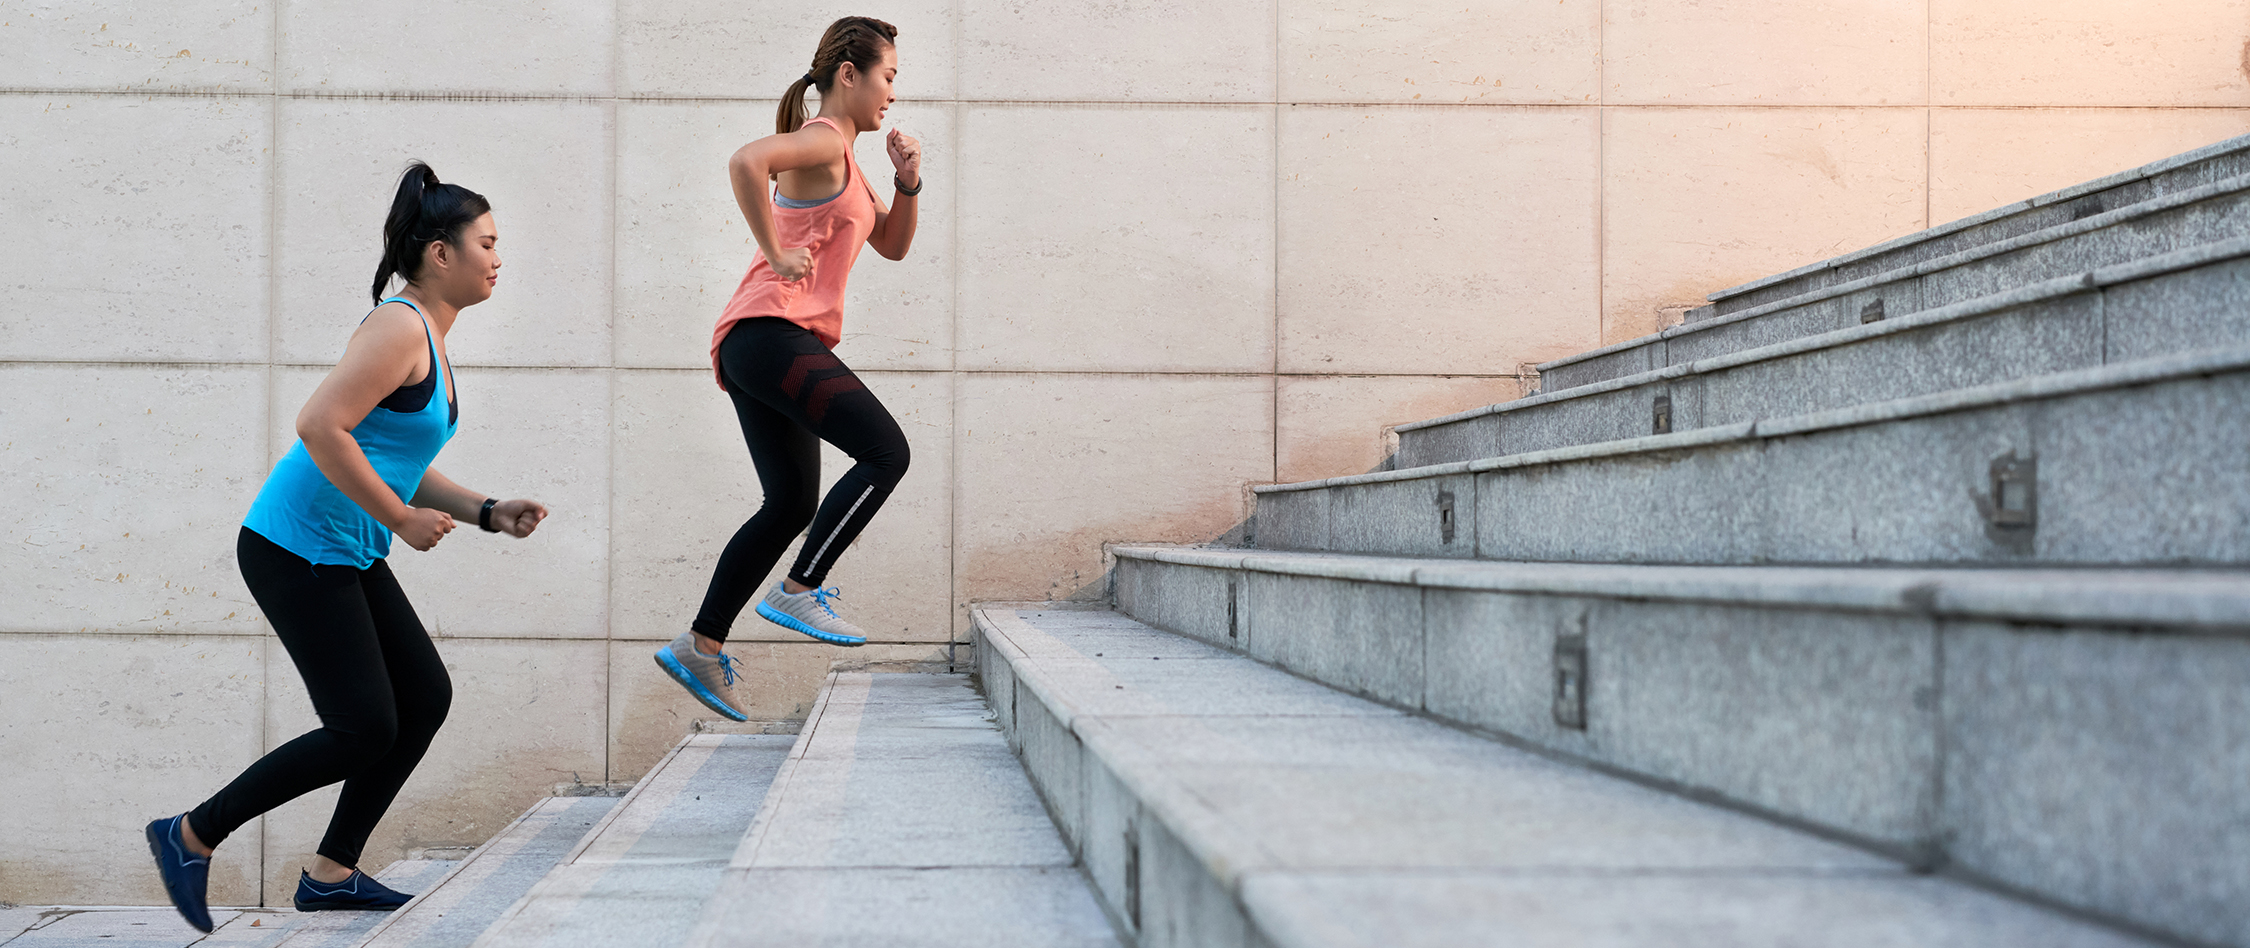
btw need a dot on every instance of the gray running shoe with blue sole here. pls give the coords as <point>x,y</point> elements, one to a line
<point>811,613</point>
<point>710,678</point>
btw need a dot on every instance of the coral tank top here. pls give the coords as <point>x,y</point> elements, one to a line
<point>833,231</point>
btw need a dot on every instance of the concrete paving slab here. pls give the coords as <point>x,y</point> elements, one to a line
<point>949,907</point>
<point>1401,792</point>
<point>901,819</point>
<point>1108,679</point>
<point>16,921</point>
<point>906,770</point>
<point>118,928</point>
<point>643,875</point>
<point>285,927</point>
<point>464,903</point>
<point>1737,910</point>
<point>1118,636</point>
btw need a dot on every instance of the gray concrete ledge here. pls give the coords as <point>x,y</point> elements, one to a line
<point>2057,288</point>
<point>2219,361</point>
<point>2153,169</point>
<point>2059,232</point>
<point>2177,601</point>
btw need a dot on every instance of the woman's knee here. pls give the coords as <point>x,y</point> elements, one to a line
<point>794,510</point>
<point>364,738</point>
<point>887,459</point>
<point>423,712</point>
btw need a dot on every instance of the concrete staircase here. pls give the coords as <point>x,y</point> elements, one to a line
<point>1898,600</point>
<point>1902,599</point>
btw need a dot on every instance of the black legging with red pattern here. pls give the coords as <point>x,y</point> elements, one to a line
<point>791,393</point>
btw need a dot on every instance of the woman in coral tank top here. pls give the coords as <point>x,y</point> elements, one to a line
<point>771,352</point>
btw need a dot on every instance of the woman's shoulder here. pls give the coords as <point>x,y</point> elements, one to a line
<point>393,325</point>
<point>821,136</point>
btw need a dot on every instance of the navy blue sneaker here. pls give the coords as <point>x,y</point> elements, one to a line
<point>187,876</point>
<point>358,891</point>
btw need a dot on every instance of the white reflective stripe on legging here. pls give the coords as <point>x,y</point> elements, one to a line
<point>823,551</point>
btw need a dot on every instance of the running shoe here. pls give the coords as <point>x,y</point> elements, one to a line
<point>811,613</point>
<point>710,678</point>
<point>358,891</point>
<point>187,876</point>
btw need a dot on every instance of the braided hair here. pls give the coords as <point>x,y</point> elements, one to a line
<point>859,40</point>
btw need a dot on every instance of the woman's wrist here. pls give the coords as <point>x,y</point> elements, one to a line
<point>484,515</point>
<point>899,181</point>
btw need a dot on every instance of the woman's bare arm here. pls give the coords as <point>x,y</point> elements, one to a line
<point>894,228</point>
<point>516,518</point>
<point>382,356</point>
<point>755,164</point>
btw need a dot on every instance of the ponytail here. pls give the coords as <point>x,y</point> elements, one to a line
<point>859,40</point>
<point>422,211</point>
<point>791,116</point>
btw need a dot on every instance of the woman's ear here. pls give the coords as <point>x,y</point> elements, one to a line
<point>847,73</point>
<point>437,253</point>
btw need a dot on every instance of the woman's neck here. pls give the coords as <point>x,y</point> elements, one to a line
<point>441,313</point>
<point>843,121</point>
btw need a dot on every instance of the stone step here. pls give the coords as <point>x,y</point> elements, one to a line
<point>2176,302</point>
<point>2078,734</point>
<point>1219,801</point>
<point>2204,214</point>
<point>144,926</point>
<point>643,874</point>
<point>457,907</point>
<point>2212,163</point>
<point>2140,463</point>
<point>339,929</point>
<point>901,818</point>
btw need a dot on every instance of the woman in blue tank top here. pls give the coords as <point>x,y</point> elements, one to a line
<point>313,549</point>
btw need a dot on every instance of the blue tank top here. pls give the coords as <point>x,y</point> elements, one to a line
<point>305,514</point>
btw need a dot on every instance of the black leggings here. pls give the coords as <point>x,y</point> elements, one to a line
<point>792,393</point>
<point>375,679</point>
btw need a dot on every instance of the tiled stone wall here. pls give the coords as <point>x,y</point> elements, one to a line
<point>1168,248</point>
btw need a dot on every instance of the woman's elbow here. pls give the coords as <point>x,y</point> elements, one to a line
<point>745,165</point>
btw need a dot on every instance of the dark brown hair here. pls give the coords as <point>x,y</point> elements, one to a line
<point>859,40</point>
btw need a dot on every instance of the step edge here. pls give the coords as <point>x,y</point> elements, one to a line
<point>2104,183</point>
<point>2185,601</point>
<point>401,912</point>
<point>2235,185</point>
<point>2214,361</point>
<point>1152,789</point>
<point>706,928</point>
<point>539,889</point>
<point>746,851</point>
<point>2085,281</point>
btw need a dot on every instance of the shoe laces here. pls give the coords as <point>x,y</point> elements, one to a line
<point>821,596</point>
<point>726,667</point>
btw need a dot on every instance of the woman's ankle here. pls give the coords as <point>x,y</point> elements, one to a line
<point>327,871</point>
<point>188,838</point>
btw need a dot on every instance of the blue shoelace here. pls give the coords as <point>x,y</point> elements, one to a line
<point>820,598</point>
<point>726,667</point>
